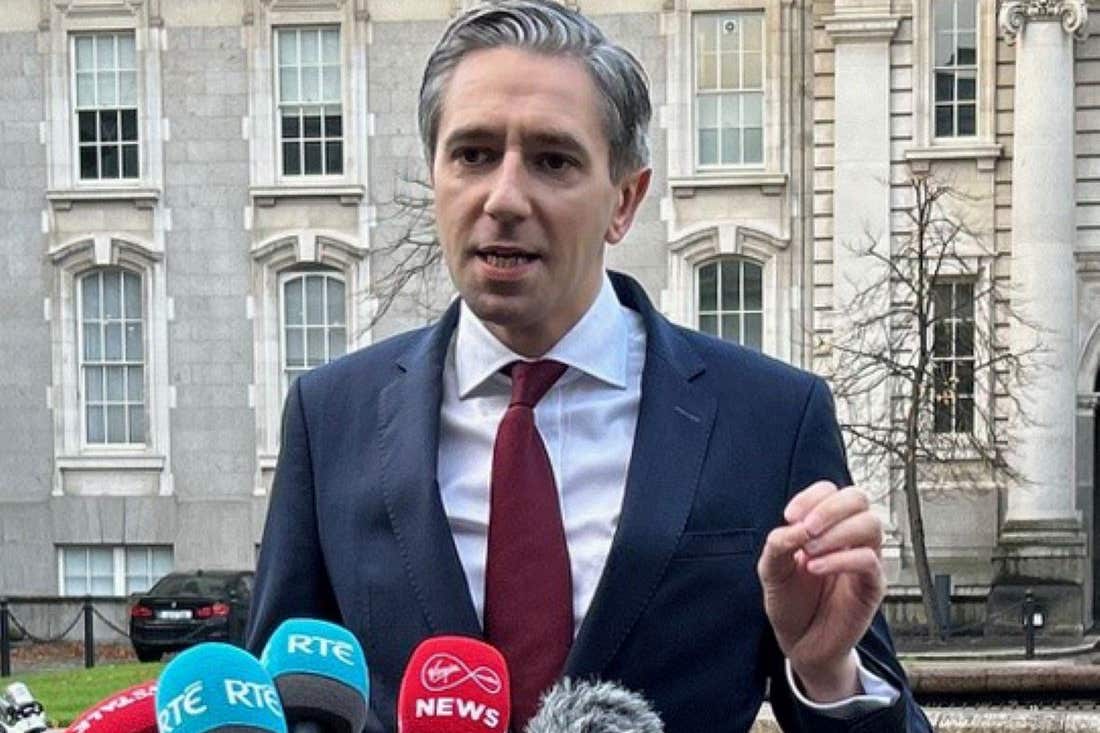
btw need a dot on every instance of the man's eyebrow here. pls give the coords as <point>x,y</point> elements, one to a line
<point>472,133</point>
<point>556,139</point>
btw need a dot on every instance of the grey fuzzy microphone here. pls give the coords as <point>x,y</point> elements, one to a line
<point>573,706</point>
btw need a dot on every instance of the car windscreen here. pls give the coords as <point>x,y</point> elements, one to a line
<point>190,585</point>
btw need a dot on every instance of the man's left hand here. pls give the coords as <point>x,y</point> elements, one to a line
<point>823,582</point>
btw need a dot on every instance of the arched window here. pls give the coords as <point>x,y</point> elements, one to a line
<point>314,321</point>
<point>112,357</point>
<point>730,300</point>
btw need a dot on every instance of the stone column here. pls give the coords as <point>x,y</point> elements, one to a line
<point>861,31</point>
<point>1042,532</point>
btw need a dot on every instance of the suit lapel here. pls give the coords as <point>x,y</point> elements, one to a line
<point>408,443</point>
<point>674,423</point>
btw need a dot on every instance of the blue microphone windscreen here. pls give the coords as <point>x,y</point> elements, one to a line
<point>313,647</point>
<point>216,687</point>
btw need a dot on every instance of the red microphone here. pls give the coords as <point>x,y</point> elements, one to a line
<point>134,710</point>
<point>454,684</point>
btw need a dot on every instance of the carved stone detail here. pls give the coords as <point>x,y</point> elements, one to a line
<point>1015,14</point>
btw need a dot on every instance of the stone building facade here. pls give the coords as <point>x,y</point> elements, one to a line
<point>199,199</point>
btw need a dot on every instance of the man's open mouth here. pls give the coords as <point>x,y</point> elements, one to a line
<point>505,258</point>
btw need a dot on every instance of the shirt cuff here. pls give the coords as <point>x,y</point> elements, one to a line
<point>877,694</point>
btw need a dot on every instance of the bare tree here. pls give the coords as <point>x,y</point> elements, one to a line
<point>918,365</point>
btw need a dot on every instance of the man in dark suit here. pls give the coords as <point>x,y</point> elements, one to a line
<point>557,467</point>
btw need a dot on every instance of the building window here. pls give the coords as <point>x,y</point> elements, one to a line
<point>106,105</point>
<point>112,357</point>
<point>955,54</point>
<point>314,315</point>
<point>111,570</point>
<point>953,357</point>
<point>730,301</point>
<point>308,98</point>
<point>729,88</point>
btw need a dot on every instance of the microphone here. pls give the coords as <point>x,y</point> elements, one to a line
<point>132,710</point>
<point>593,707</point>
<point>454,684</point>
<point>321,674</point>
<point>217,688</point>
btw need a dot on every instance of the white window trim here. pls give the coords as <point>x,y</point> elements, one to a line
<point>71,455</point>
<point>90,16</point>
<point>677,116</point>
<point>261,21</point>
<point>283,278</point>
<point>772,253</point>
<point>118,563</point>
<point>983,147</point>
<point>272,258</point>
<point>722,312</point>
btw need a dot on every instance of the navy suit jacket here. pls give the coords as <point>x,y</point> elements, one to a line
<point>356,531</point>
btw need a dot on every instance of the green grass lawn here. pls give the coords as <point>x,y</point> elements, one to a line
<point>67,693</point>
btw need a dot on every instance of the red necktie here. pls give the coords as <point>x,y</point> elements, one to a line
<point>528,585</point>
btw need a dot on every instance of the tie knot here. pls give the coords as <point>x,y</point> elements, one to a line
<point>532,379</point>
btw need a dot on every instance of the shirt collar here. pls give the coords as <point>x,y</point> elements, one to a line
<point>596,345</point>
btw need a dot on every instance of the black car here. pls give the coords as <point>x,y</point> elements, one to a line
<point>184,609</point>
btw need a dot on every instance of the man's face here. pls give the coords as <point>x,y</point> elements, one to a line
<point>523,196</point>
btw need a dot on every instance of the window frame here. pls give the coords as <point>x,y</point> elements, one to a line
<point>119,568</point>
<point>954,359</point>
<point>75,109</point>
<point>286,276</point>
<point>82,396</point>
<point>277,136</point>
<point>719,93</point>
<point>956,69</point>
<point>720,312</point>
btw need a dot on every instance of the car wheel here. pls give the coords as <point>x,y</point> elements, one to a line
<point>145,654</point>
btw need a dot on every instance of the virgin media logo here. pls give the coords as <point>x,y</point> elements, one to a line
<point>443,671</point>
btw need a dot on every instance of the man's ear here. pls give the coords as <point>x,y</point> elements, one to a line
<point>632,189</point>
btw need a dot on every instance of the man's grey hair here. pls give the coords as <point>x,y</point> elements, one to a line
<point>544,26</point>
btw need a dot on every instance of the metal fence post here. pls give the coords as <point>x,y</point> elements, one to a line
<point>1029,624</point>
<point>89,636</point>
<point>5,640</point>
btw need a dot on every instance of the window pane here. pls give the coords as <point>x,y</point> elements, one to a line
<point>315,300</point>
<point>941,338</point>
<point>89,288</point>
<point>313,158</point>
<point>116,424</point>
<point>967,86</point>
<point>335,302</point>
<point>310,51</point>
<point>731,145</point>
<point>709,324</point>
<point>944,14</point>
<point>134,350</point>
<point>331,83</point>
<point>337,343</point>
<point>311,125</point>
<point>86,124</point>
<point>964,300</point>
<point>135,384</point>
<point>945,86</point>
<point>708,147</point>
<point>941,301</point>
<point>129,161</point>
<point>295,348</point>
<point>293,313</point>
<point>115,378</point>
<point>105,88</point>
<point>93,348</point>
<point>945,49</point>
<point>964,376</point>
<point>754,281</point>
<point>127,92</point>
<point>752,109</point>
<point>708,112</point>
<point>311,84</point>
<point>315,346</point>
<point>89,162</point>
<point>113,347</point>
<point>132,285</point>
<point>108,125</point>
<point>288,84</point>
<point>731,327</point>
<point>105,51</point>
<point>752,31</point>
<point>754,331</point>
<point>95,430</point>
<point>330,41</point>
<point>964,415</point>
<point>129,124</point>
<point>731,285</point>
<point>754,145</point>
<point>754,71</point>
<point>968,17</point>
<point>126,52</point>
<point>968,44</point>
<point>292,165</point>
<point>706,33</point>
<point>162,561</point>
<point>945,123</point>
<point>334,157</point>
<point>731,71</point>
<point>967,125</point>
<point>137,423</point>
<point>85,89</point>
<point>731,110</point>
<point>334,125</point>
<point>291,128</point>
<point>708,287</point>
<point>112,294</point>
<point>110,154</point>
<point>964,338</point>
<point>85,58</point>
<point>93,383</point>
<point>288,48</point>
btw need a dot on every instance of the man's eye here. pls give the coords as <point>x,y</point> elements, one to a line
<point>556,162</point>
<point>472,156</point>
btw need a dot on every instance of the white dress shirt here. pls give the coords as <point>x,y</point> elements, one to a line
<point>587,421</point>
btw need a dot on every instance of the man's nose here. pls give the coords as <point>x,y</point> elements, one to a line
<point>508,197</point>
